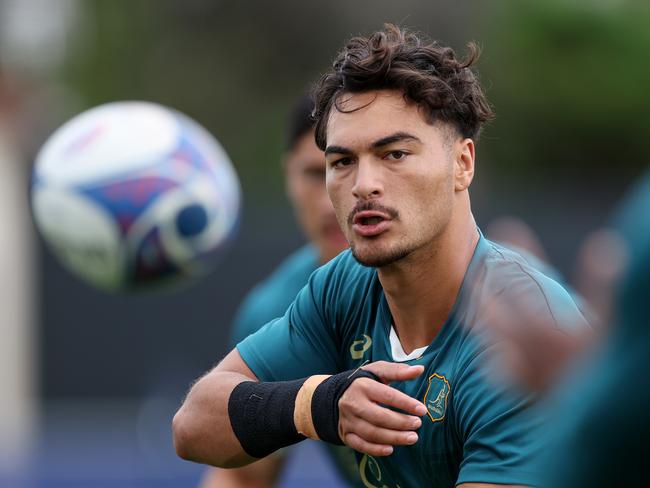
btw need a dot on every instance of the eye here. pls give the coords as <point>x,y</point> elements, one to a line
<point>396,155</point>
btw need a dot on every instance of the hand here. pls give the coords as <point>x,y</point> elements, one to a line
<point>525,346</point>
<point>369,427</point>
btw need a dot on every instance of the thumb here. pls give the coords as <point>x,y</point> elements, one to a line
<point>394,371</point>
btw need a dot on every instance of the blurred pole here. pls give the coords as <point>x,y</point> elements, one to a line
<point>34,36</point>
<point>18,355</point>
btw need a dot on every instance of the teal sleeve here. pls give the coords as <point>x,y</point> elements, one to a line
<point>499,432</point>
<point>271,298</point>
<point>301,343</point>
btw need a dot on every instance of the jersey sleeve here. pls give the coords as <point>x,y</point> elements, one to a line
<point>300,343</point>
<point>499,432</point>
<point>271,298</point>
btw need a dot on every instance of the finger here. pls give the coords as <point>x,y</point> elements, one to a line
<point>394,371</point>
<point>378,435</point>
<point>358,444</point>
<point>387,395</point>
<point>383,417</point>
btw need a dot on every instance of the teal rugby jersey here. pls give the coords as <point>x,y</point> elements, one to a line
<point>269,300</point>
<point>475,430</point>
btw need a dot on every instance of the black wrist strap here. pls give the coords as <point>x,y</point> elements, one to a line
<point>262,414</point>
<point>325,403</point>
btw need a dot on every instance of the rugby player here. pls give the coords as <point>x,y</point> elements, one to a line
<point>383,349</point>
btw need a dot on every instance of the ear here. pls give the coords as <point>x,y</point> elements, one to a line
<point>463,164</point>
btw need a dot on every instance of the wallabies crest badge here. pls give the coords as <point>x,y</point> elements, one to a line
<point>436,397</point>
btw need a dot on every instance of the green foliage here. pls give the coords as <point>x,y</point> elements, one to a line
<point>570,84</point>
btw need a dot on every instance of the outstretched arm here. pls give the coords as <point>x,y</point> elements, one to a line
<point>218,427</point>
<point>202,428</point>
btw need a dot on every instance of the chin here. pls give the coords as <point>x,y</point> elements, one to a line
<point>378,258</point>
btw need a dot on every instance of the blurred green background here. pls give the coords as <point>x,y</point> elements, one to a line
<point>567,79</point>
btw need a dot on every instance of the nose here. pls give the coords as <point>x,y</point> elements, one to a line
<point>368,183</point>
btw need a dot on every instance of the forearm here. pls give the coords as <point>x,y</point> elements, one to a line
<point>202,429</point>
<point>229,419</point>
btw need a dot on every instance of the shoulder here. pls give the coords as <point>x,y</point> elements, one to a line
<point>343,293</point>
<point>516,282</point>
<point>287,278</point>
<point>343,277</point>
<point>295,267</point>
<point>271,297</point>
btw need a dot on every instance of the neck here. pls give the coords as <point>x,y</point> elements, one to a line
<point>422,288</point>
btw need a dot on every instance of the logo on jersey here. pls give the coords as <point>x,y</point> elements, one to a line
<point>360,346</point>
<point>436,397</point>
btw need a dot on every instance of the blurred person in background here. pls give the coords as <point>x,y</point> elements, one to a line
<point>599,267</point>
<point>538,358</point>
<point>516,234</point>
<point>601,435</point>
<point>597,392</point>
<point>304,170</point>
<point>598,263</point>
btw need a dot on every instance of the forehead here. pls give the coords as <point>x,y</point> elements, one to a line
<point>365,117</point>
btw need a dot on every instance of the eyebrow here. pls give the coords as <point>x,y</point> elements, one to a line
<point>337,150</point>
<point>384,141</point>
<point>398,136</point>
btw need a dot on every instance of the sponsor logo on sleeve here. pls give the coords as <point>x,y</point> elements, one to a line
<point>360,346</point>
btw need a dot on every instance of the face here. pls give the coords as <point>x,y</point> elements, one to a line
<point>305,176</point>
<point>394,178</point>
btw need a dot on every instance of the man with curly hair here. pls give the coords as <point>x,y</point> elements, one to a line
<point>384,349</point>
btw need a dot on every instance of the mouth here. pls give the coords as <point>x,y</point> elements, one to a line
<point>370,223</point>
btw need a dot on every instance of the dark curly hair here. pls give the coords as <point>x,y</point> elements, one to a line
<point>427,73</point>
